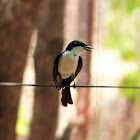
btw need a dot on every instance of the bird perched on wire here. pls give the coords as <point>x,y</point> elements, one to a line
<point>67,65</point>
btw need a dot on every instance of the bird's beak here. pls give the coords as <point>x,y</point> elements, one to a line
<point>88,48</point>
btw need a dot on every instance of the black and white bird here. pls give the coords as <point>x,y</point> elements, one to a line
<point>67,65</point>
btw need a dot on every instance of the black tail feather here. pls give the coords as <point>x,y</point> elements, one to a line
<point>66,96</point>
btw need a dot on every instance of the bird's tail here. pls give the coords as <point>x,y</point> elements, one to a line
<point>66,96</point>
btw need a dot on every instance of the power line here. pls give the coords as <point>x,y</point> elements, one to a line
<point>78,86</point>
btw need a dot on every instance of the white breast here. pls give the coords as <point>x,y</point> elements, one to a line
<point>67,64</point>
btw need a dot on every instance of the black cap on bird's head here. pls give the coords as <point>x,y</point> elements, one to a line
<point>77,43</point>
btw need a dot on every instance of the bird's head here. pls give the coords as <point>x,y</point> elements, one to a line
<point>78,47</point>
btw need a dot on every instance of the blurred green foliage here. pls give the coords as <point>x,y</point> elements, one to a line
<point>122,24</point>
<point>136,135</point>
<point>126,6</point>
<point>122,34</point>
<point>129,80</point>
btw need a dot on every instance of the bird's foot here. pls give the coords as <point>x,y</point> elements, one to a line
<point>74,86</point>
<point>57,86</point>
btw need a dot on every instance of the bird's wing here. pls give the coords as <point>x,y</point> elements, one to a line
<point>80,64</point>
<point>56,75</point>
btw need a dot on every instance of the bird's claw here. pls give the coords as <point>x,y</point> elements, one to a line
<point>74,86</point>
<point>57,86</point>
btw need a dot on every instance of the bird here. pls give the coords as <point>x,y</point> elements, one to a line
<point>67,66</point>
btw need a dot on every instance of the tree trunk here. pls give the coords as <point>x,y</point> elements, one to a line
<point>15,30</point>
<point>86,20</point>
<point>50,43</point>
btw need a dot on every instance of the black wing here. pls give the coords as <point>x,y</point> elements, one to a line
<point>80,64</point>
<point>56,75</point>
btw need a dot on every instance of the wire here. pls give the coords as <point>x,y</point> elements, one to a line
<point>79,86</point>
